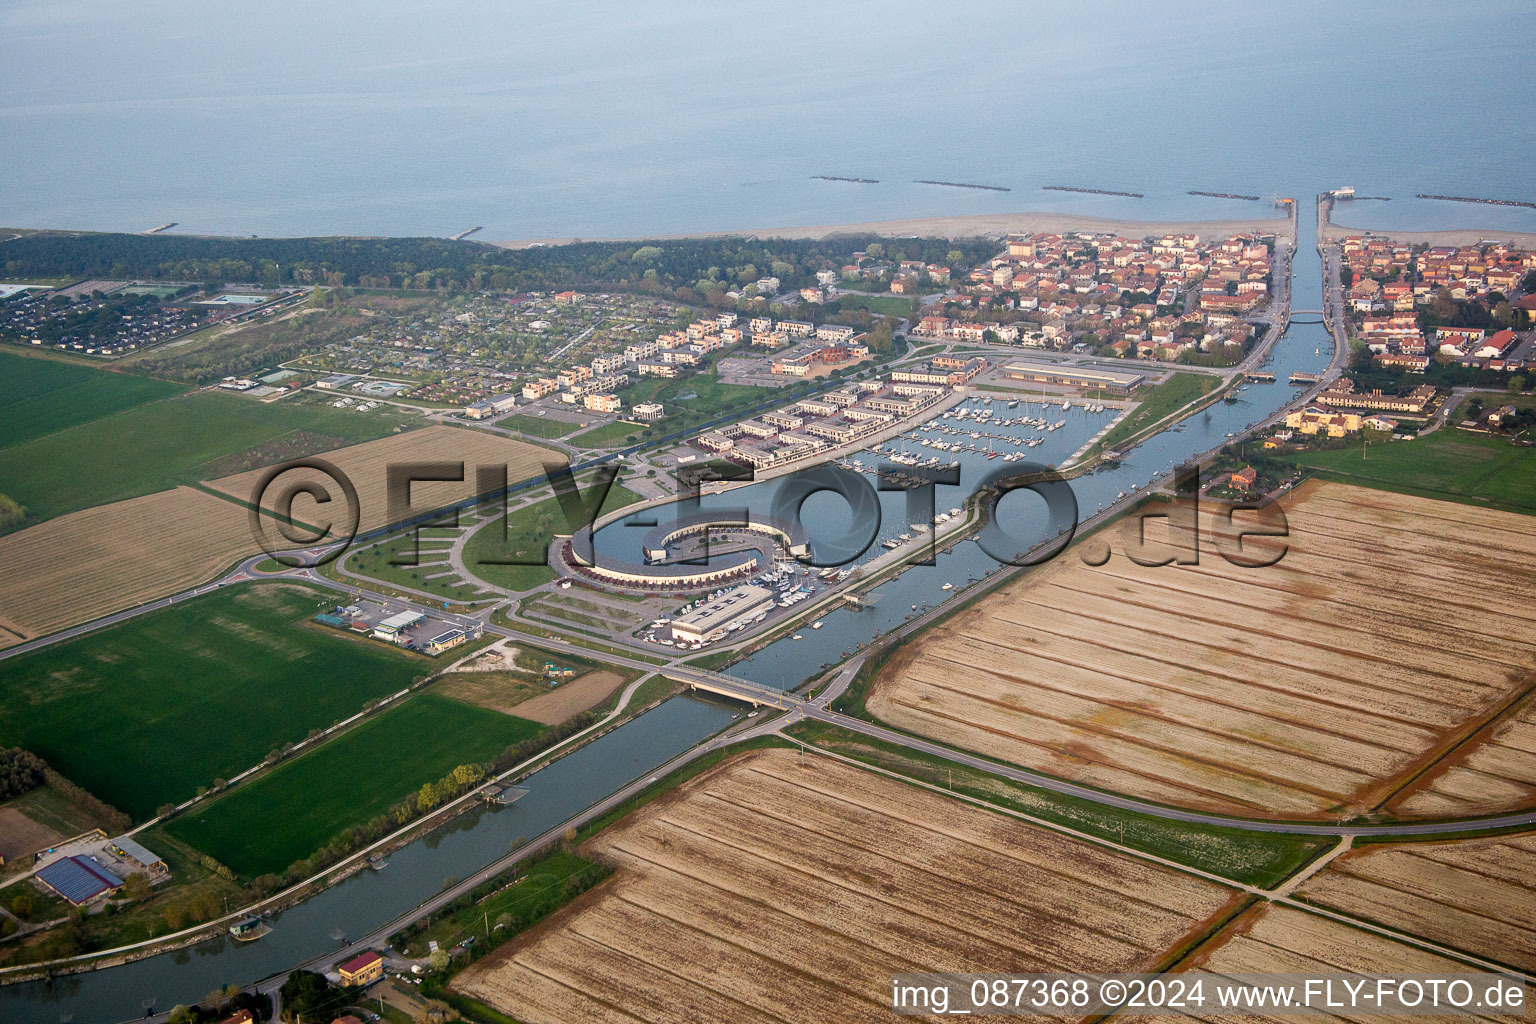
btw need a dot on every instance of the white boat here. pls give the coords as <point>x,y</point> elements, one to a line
<point>816,624</point>
<point>948,586</point>
<point>797,636</point>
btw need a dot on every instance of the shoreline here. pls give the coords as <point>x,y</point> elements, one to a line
<point>1330,231</point>
<point>965,226</point>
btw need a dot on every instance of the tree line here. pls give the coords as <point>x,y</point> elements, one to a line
<point>702,266</point>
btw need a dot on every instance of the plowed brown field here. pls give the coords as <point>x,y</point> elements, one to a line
<point>768,890</point>
<point>1273,938</point>
<point>1476,895</point>
<point>1392,628</point>
<point>367,465</point>
<point>101,560</point>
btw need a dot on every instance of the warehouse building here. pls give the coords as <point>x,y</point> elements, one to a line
<point>1049,373</point>
<point>79,879</point>
<point>391,628</point>
<point>739,605</point>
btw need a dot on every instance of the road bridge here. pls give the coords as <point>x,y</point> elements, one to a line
<point>723,685</point>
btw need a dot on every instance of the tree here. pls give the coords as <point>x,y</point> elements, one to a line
<point>308,995</point>
<point>175,915</point>
<point>20,770</point>
<point>438,959</point>
<point>1516,384</point>
<point>23,904</point>
<point>136,887</point>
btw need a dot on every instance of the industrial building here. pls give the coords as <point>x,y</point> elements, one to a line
<point>391,628</point>
<point>79,879</point>
<point>1048,373</point>
<point>723,612</point>
<point>491,407</point>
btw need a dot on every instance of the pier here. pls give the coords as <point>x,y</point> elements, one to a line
<point>162,227</point>
<point>465,234</point>
<point>838,177</point>
<point>1305,378</point>
<point>1262,375</point>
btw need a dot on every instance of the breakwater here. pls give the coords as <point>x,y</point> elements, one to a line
<point>1092,191</point>
<point>962,184</point>
<point>1474,199</point>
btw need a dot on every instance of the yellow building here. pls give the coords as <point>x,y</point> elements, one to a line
<point>363,969</point>
<point>1318,421</point>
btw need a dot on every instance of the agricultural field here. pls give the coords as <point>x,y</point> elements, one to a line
<point>160,444</point>
<point>100,560</point>
<point>1476,895</point>
<point>1497,768</point>
<point>289,813</point>
<point>367,464</point>
<point>1392,628</point>
<point>1275,938</point>
<point>768,889</point>
<point>1449,464</point>
<point>147,711</point>
<point>40,395</point>
<point>529,697</point>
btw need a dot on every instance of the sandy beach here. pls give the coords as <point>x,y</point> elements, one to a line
<point>972,226</point>
<point>1329,231</point>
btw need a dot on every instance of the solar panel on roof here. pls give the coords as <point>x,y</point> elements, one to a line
<point>79,879</point>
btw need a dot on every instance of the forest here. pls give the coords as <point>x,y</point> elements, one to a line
<point>698,269</point>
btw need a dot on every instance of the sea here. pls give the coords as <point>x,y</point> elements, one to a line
<point>541,119</point>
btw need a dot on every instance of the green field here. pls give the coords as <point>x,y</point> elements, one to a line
<point>145,712</point>
<point>610,435</point>
<point>39,396</point>
<point>1156,402</point>
<point>527,538</point>
<point>709,397</point>
<point>537,426</point>
<point>289,813</point>
<point>889,305</point>
<point>377,562</point>
<point>161,444</point>
<point>1449,464</point>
